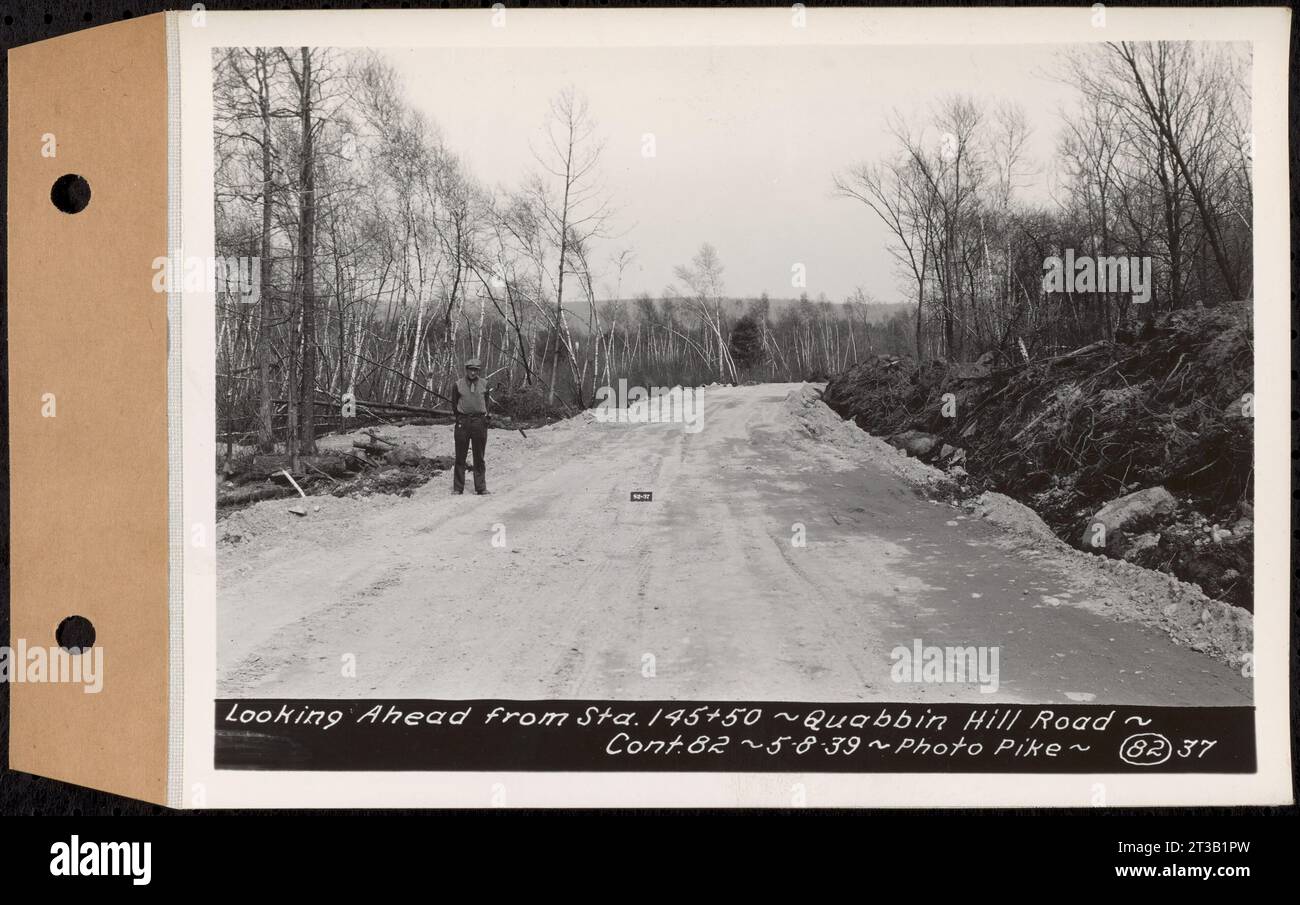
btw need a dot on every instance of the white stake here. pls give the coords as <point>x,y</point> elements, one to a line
<point>285,472</point>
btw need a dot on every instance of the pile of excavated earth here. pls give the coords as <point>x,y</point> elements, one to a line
<point>1140,450</point>
<point>1109,586</point>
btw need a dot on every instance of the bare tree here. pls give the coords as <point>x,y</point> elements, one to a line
<point>703,276</point>
<point>569,202</point>
<point>1181,108</point>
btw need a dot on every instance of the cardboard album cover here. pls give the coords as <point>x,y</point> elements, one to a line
<point>765,407</point>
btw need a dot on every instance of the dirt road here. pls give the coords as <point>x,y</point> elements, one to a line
<point>703,593</point>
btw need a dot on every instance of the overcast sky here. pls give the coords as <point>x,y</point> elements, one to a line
<point>747,142</point>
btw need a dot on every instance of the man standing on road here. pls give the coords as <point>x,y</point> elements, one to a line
<point>469,400</point>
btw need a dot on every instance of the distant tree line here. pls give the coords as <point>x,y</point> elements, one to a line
<point>383,263</point>
<point>1153,161</point>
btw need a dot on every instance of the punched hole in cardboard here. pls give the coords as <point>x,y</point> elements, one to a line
<point>71,193</point>
<point>75,634</point>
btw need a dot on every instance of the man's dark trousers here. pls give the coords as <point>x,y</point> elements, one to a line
<point>470,430</point>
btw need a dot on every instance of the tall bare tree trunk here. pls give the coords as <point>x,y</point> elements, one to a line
<point>559,283</point>
<point>306,247</point>
<point>265,427</point>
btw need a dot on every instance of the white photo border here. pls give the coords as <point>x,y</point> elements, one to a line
<point>1267,29</point>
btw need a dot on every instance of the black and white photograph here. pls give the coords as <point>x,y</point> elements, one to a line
<point>972,369</point>
<point>630,411</point>
<point>750,406</point>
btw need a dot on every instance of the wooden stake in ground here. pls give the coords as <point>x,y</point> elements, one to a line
<point>294,483</point>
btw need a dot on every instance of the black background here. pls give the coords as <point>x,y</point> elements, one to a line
<point>1064,850</point>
